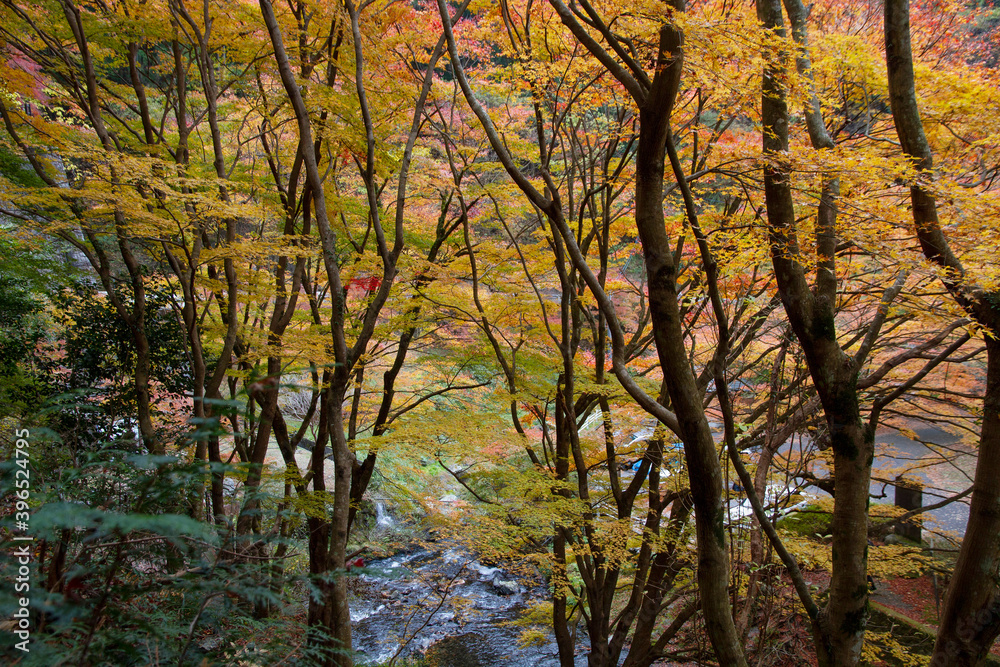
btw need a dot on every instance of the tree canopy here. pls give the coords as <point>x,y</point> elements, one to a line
<point>630,282</point>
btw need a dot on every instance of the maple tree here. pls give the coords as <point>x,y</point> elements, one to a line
<point>840,630</point>
<point>850,530</point>
<point>552,403</point>
<point>193,220</point>
<point>969,623</point>
<point>655,98</point>
<point>373,249</point>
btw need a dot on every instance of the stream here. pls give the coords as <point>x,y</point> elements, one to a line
<point>443,604</point>
<point>447,606</point>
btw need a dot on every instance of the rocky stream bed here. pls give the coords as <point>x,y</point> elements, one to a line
<point>448,607</point>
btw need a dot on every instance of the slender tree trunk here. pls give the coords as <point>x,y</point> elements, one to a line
<point>329,618</point>
<point>560,624</point>
<point>665,568</point>
<point>834,373</point>
<point>266,393</point>
<point>564,638</point>
<point>152,444</point>
<point>661,270</point>
<point>844,619</point>
<point>218,489</point>
<point>344,461</point>
<point>970,620</point>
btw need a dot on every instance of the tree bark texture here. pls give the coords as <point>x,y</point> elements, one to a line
<point>970,619</point>
<point>700,453</point>
<point>834,373</point>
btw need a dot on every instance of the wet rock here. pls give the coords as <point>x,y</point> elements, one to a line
<point>468,629</point>
<point>506,586</point>
<point>460,651</point>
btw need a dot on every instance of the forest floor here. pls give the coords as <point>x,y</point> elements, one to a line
<point>918,599</point>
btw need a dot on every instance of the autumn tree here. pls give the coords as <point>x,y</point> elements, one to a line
<point>146,205</point>
<point>378,246</point>
<point>970,621</point>
<point>530,305</point>
<point>654,98</point>
<point>836,373</point>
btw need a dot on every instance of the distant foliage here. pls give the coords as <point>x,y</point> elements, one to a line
<point>94,360</point>
<point>123,576</point>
